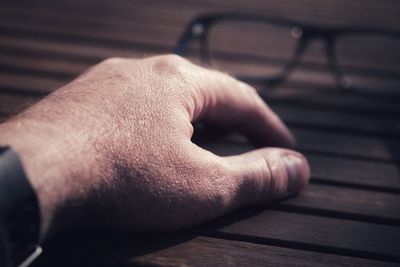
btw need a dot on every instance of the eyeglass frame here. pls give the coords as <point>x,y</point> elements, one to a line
<point>198,30</point>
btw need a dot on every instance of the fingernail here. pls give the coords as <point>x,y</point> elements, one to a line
<point>297,170</point>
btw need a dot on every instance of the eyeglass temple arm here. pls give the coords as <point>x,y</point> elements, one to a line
<point>184,40</point>
<point>333,64</point>
<point>288,68</point>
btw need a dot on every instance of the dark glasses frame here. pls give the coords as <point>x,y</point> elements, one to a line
<point>198,30</point>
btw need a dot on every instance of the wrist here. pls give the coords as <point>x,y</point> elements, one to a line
<point>37,147</point>
<point>19,212</point>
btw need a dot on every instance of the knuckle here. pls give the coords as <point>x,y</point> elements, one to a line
<point>207,179</point>
<point>173,58</point>
<point>251,91</point>
<point>276,171</point>
<point>218,189</point>
<point>113,61</point>
<point>247,87</point>
<point>169,63</point>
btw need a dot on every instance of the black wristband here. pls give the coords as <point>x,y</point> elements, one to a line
<point>19,211</point>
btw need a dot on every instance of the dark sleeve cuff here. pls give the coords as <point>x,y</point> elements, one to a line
<point>19,211</point>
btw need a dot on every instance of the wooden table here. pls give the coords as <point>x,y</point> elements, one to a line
<point>350,213</point>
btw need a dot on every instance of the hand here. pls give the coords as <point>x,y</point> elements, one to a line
<point>113,148</point>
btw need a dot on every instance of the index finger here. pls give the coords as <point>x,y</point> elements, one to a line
<point>225,101</point>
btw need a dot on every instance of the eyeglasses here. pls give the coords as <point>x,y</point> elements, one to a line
<point>267,49</point>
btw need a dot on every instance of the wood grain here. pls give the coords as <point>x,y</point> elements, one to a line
<point>328,234</point>
<point>205,251</point>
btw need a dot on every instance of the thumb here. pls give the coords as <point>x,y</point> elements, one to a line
<point>267,174</point>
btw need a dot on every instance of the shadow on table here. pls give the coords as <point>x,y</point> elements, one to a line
<point>105,248</point>
<point>102,248</point>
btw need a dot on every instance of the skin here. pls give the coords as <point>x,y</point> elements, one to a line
<point>112,149</point>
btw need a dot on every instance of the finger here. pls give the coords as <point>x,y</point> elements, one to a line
<point>267,174</point>
<point>225,101</point>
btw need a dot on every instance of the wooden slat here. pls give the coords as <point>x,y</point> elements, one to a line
<point>159,37</point>
<point>329,120</point>
<point>204,251</point>
<point>14,103</point>
<point>308,95</point>
<point>142,13</point>
<point>348,172</point>
<point>113,16</point>
<point>366,147</point>
<point>59,50</point>
<point>197,251</point>
<point>29,84</point>
<point>40,67</point>
<point>347,203</point>
<point>320,233</point>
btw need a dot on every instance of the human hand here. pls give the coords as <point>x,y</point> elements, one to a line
<point>113,149</point>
